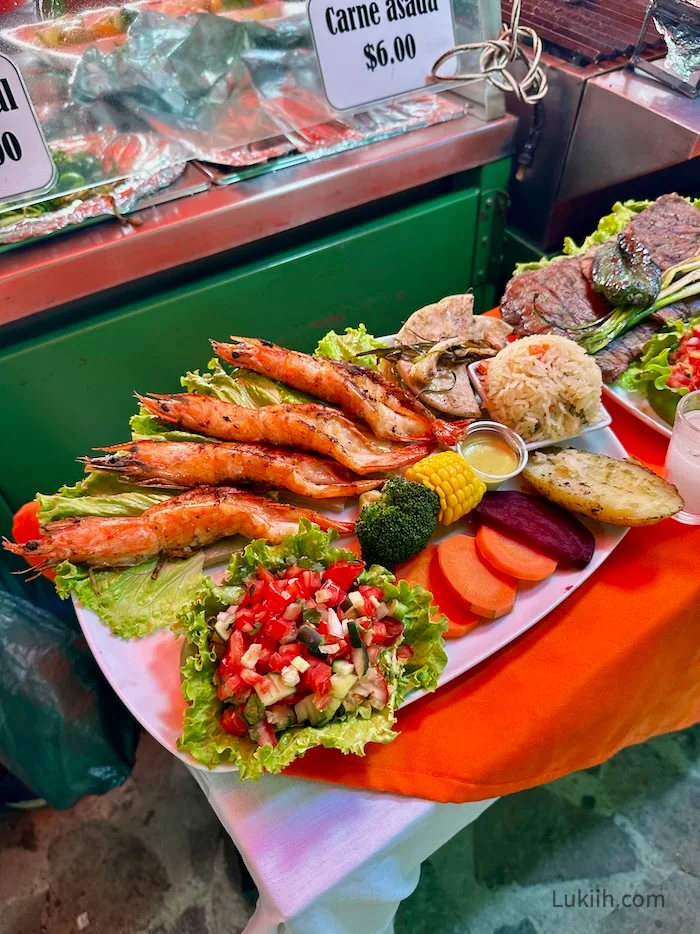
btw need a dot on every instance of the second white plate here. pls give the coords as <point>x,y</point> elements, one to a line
<point>637,404</point>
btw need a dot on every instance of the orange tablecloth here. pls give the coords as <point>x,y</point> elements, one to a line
<point>616,663</point>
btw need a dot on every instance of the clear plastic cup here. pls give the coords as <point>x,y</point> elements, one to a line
<point>683,457</point>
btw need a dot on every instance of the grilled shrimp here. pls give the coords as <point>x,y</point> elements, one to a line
<point>308,426</point>
<point>187,464</point>
<point>176,527</point>
<point>362,393</point>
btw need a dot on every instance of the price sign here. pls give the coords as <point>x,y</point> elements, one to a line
<point>372,51</point>
<point>25,161</point>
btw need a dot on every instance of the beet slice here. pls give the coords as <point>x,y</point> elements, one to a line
<point>536,522</point>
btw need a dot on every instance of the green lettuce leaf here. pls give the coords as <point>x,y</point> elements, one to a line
<point>609,226</point>
<point>202,735</point>
<point>100,494</point>
<point>129,600</point>
<point>146,427</point>
<point>535,264</point>
<point>242,387</point>
<point>653,366</point>
<point>348,345</point>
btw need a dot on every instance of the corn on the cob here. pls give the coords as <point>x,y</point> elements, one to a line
<point>452,478</point>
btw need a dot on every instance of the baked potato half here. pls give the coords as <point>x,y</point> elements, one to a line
<point>621,492</point>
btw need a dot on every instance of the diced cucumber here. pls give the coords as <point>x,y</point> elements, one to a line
<point>342,667</point>
<point>304,709</point>
<point>300,664</point>
<point>319,717</point>
<point>360,660</point>
<point>355,633</point>
<point>277,692</point>
<point>251,656</point>
<point>341,684</point>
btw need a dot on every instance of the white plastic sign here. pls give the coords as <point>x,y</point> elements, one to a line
<point>372,51</point>
<point>25,161</point>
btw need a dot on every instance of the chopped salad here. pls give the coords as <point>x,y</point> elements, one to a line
<point>303,646</point>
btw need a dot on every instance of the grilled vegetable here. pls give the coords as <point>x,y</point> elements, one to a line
<point>678,284</point>
<point>624,273</point>
<point>621,492</point>
<point>454,481</point>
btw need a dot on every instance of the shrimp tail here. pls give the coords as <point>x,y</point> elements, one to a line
<point>450,433</point>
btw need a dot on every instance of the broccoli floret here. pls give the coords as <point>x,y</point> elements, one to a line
<point>399,524</point>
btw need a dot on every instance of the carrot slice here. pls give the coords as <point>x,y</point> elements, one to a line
<point>424,570</point>
<point>511,557</point>
<point>484,590</point>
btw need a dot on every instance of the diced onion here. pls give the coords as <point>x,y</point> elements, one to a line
<point>293,611</point>
<point>357,600</point>
<point>290,676</point>
<point>333,623</point>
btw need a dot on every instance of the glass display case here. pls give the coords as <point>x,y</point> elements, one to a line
<point>127,94</point>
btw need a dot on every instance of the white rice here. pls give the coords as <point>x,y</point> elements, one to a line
<point>544,387</point>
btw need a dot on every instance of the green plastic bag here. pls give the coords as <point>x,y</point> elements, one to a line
<point>63,731</point>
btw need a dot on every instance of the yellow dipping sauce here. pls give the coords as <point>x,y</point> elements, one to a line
<point>491,457</point>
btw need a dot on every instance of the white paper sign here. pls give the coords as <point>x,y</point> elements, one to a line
<point>371,51</point>
<point>25,161</point>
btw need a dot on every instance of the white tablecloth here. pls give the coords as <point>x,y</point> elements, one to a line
<point>328,859</point>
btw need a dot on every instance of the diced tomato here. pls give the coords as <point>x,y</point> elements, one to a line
<point>278,628</point>
<point>293,571</point>
<point>379,635</point>
<point>233,722</point>
<point>344,573</point>
<point>252,677</point>
<point>267,647</point>
<point>264,734</point>
<point>404,651</point>
<point>321,701</point>
<point>234,686</point>
<point>245,619</point>
<point>295,589</point>
<point>284,655</point>
<point>236,647</point>
<point>264,574</point>
<point>254,590</point>
<point>317,677</point>
<point>394,629</point>
<point>329,594</point>
<point>277,594</point>
<point>368,592</point>
<point>226,669</point>
<point>342,651</point>
<point>310,582</point>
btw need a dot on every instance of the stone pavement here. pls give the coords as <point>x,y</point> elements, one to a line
<point>150,858</point>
